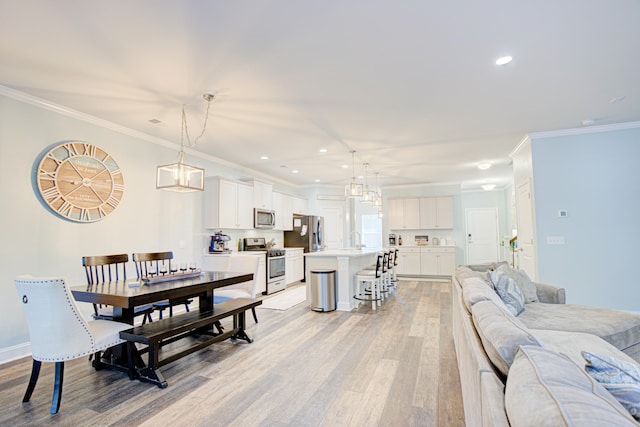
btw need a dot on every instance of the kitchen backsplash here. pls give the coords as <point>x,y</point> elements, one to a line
<point>237,235</point>
<point>409,238</point>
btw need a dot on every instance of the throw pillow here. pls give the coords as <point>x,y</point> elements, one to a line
<point>523,281</point>
<point>508,291</point>
<point>621,378</point>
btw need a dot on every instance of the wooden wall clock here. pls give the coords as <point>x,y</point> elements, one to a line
<point>80,181</point>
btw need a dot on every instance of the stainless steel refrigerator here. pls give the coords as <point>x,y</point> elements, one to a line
<point>307,233</point>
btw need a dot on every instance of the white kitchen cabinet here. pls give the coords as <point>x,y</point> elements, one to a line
<point>437,261</point>
<point>218,262</point>
<point>228,204</point>
<point>283,206</point>
<point>262,195</point>
<point>404,214</point>
<point>408,261</point>
<point>293,265</point>
<point>300,206</point>
<point>436,212</point>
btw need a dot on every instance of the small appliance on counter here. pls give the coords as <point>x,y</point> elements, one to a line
<point>219,243</point>
<point>421,240</point>
<point>392,239</point>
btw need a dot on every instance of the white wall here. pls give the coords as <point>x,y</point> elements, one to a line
<point>35,241</point>
<point>594,177</point>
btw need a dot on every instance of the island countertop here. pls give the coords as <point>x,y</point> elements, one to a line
<point>343,252</point>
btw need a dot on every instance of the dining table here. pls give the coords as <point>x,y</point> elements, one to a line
<point>125,295</point>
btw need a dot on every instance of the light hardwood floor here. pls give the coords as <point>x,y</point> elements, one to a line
<point>392,367</point>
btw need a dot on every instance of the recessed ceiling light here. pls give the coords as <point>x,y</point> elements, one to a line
<point>484,166</point>
<point>344,166</point>
<point>488,187</point>
<point>323,150</point>
<point>588,122</point>
<point>504,60</point>
<point>264,157</point>
<point>316,180</point>
<point>295,171</point>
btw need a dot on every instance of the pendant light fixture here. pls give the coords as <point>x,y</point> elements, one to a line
<point>181,177</point>
<point>353,190</point>
<point>377,200</point>
<point>368,196</point>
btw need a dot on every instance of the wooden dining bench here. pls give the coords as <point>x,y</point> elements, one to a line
<point>157,333</point>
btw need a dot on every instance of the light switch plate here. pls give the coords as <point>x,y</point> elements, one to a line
<point>555,240</point>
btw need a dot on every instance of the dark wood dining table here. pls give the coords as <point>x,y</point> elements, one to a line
<point>125,295</point>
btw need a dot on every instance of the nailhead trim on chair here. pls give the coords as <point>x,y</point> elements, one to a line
<point>80,319</point>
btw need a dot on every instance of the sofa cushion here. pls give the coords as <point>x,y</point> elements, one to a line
<point>463,273</point>
<point>475,290</point>
<point>508,291</point>
<point>621,378</point>
<point>493,412</point>
<point>619,328</point>
<point>523,281</point>
<point>572,344</point>
<point>500,332</point>
<point>545,388</point>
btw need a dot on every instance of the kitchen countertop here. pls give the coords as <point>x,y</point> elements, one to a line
<point>344,252</point>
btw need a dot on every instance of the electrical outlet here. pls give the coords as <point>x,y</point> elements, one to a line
<point>182,244</point>
<point>555,240</point>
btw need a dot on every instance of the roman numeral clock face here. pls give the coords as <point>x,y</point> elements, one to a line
<point>80,182</point>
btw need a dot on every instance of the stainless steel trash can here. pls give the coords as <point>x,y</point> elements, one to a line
<point>323,290</point>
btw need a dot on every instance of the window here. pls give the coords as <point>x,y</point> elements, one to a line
<point>372,231</point>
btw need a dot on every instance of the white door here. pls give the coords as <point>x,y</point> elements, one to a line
<point>526,248</point>
<point>333,226</point>
<point>482,235</point>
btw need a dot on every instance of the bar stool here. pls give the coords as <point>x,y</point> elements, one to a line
<point>369,283</point>
<point>391,270</point>
<point>394,280</point>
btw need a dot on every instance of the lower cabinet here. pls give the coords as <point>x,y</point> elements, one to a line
<point>437,261</point>
<point>294,265</point>
<point>409,261</point>
<point>433,261</point>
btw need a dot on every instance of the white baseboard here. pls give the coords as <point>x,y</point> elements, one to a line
<point>16,352</point>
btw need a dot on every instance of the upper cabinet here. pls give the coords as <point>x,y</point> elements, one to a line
<point>404,214</point>
<point>283,206</point>
<point>436,212</point>
<point>420,213</point>
<point>228,204</point>
<point>262,195</point>
<point>300,206</point>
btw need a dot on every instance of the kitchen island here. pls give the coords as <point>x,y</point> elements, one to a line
<point>346,263</point>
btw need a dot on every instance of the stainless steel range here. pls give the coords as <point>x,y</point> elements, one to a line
<point>275,263</point>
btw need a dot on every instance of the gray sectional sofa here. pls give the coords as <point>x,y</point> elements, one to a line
<point>525,365</point>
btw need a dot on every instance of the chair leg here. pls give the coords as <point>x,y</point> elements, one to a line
<point>35,372</point>
<point>57,388</point>
<point>255,316</point>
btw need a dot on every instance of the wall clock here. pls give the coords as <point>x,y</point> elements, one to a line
<point>80,181</point>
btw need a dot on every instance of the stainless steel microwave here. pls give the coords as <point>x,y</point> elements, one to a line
<point>264,218</point>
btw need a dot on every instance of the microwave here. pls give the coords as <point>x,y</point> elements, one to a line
<point>264,218</point>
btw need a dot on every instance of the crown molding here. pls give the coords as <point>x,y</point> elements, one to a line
<point>88,118</point>
<point>584,130</point>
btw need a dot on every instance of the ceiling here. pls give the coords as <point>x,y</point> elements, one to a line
<point>411,86</point>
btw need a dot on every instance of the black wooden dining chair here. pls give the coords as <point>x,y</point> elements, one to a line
<point>152,264</point>
<point>108,268</point>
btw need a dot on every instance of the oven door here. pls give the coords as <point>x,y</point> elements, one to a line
<point>275,268</point>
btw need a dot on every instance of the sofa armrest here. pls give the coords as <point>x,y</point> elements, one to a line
<point>550,294</point>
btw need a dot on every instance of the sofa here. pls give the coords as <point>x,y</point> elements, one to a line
<point>526,358</point>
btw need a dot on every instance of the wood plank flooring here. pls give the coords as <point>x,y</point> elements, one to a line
<point>392,367</point>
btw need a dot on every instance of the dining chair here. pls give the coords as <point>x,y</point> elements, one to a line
<point>150,264</point>
<point>58,331</point>
<point>240,264</point>
<point>107,268</point>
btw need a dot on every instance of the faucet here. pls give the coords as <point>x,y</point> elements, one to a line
<point>359,245</point>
